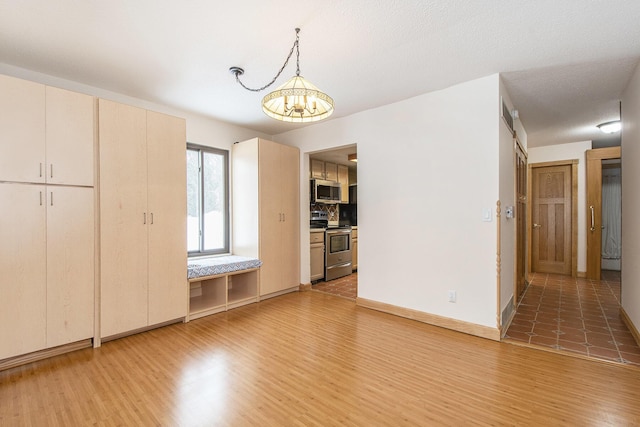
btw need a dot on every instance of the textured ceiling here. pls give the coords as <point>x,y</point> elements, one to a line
<point>565,63</point>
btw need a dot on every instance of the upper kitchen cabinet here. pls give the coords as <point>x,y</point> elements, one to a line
<point>49,134</point>
<point>343,179</point>
<point>331,171</point>
<point>266,213</point>
<point>317,169</point>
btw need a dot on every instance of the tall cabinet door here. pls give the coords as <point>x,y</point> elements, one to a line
<point>290,227</point>
<point>22,127</point>
<point>69,137</point>
<point>123,218</point>
<point>167,196</point>
<point>271,219</point>
<point>22,269</point>
<point>70,264</point>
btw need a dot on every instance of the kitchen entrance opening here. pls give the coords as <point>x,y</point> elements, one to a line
<point>333,225</point>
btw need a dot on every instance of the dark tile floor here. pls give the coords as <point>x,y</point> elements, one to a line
<point>578,316</point>
<point>346,286</point>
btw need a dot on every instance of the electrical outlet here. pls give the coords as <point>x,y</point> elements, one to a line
<point>452,296</point>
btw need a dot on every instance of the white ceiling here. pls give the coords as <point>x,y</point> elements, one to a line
<point>565,62</point>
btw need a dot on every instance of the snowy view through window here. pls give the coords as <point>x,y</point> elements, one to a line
<point>206,200</point>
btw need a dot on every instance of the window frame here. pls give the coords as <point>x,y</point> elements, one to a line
<point>202,149</point>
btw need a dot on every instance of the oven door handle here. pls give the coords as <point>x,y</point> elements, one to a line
<point>336,232</point>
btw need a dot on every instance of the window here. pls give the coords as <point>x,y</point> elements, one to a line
<point>207,200</point>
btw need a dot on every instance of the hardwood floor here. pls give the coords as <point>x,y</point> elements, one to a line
<point>312,359</point>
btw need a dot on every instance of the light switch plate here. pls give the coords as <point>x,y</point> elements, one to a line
<point>486,215</point>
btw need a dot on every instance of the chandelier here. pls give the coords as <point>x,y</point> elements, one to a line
<point>298,100</point>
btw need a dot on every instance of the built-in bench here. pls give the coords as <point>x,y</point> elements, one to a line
<point>221,283</point>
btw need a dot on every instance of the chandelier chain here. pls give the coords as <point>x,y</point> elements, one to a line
<point>296,46</point>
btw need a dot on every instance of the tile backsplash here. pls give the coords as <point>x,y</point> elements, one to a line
<point>333,211</point>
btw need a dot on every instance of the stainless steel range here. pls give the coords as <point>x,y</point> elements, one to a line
<point>337,261</point>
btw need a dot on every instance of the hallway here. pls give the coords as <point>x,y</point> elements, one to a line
<point>577,316</point>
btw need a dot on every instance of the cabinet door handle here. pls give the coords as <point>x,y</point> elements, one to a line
<point>593,219</point>
<point>52,198</point>
<point>40,169</point>
<point>151,217</point>
<point>41,198</point>
<point>537,225</point>
<point>51,170</point>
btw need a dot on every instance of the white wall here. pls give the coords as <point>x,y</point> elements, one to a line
<point>427,168</point>
<point>200,130</point>
<point>631,200</point>
<point>574,150</point>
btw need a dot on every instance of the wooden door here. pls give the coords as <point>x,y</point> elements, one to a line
<point>22,130</point>
<point>69,136</point>
<point>70,264</point>
<point>594,207</point>
<point>23,292</point>
<point>166,162</point>
<point>552,215</point>
<point>521,221</point>
<point>123,218</point>
<point>290,206</point>
<point>270,172</point>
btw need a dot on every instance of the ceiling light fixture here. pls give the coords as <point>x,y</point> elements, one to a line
<point>353,157</point>
<point>610,127</point>
<point>295,101</point>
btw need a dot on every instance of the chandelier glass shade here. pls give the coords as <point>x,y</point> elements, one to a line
<point>610,127</point>
<point>299,101</point>
<point>296,101</point>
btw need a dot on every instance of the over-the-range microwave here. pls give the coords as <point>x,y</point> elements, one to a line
<point>323,191</point>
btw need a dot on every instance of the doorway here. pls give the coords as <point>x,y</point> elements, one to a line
<point>521,221</point>
<point>597,160</point>
<point>553,246</point>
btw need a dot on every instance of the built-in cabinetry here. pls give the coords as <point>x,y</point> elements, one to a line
<point>332,172</point>
<point>143,250</point>
<point>266,218</point>
<point>317,254</point>
<point>213,294</point>
<point>343,179</point>
<point>354,248</point>
<point>47,220</point>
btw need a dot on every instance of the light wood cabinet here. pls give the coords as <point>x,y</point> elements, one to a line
<point>343,179</point>
<point>69,137</point>
<point>70,264</point>
<point>331,171</point>
<point>142,218</point>
<point>47,275</point>
<point>22,130</point>
<point>266,225</point>
<point>317,169</point>
<point>354,249</point>
<point>317,254</point>
<point>23,270</point>
<point>51,134</point>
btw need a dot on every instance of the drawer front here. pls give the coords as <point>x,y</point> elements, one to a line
<point>317,237</point>
<point>354,233</point>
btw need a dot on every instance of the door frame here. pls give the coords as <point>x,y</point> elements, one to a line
<point>524,200</point>
<point>594,200</point>
<point>574,210</point>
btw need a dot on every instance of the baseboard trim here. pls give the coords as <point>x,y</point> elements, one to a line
<point>305,287</point>
<point>23,359</point>
<point>432,319</point>
<point>581,274</point>
<point>632,328</point>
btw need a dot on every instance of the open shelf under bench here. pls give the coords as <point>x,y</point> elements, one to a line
<point>221,292</point>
